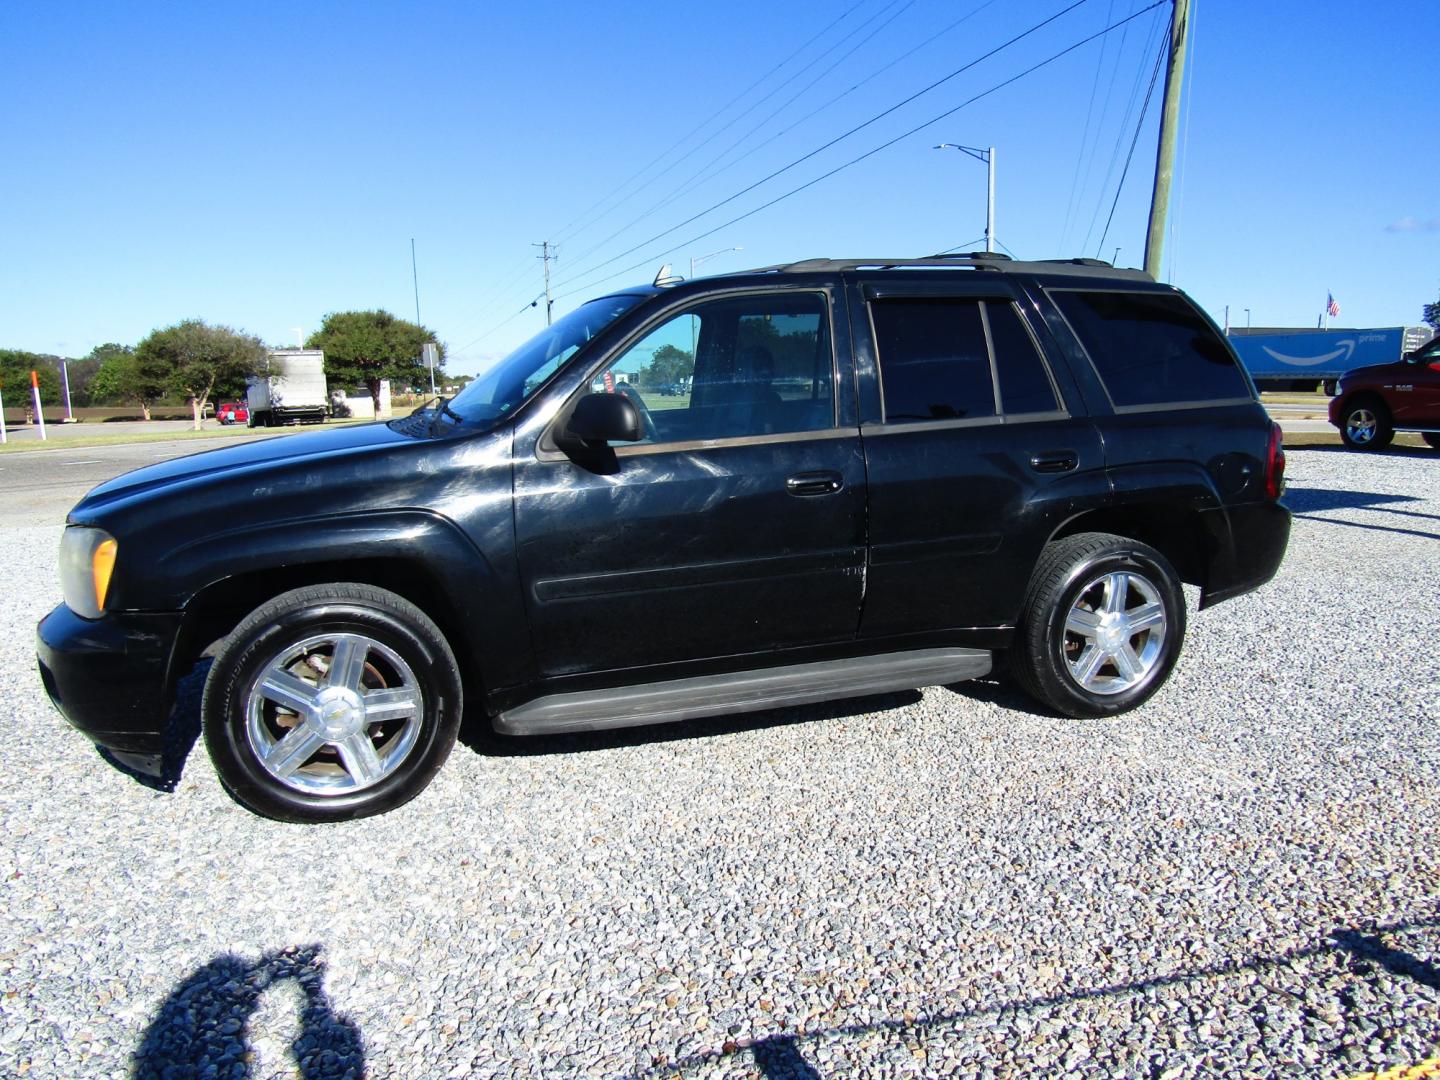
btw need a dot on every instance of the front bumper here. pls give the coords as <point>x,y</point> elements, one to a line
<point>1336,413</point>
<point>110,678</point>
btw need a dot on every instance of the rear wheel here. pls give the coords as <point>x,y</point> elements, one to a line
<point>331,702</point>
<point>1101,627</point>
<point>1365,425</point>
<point>1431,439</point>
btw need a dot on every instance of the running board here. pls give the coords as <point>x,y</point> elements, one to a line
<point>744,691</point>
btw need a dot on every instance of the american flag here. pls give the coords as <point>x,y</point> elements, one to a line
<point>1331,307</point>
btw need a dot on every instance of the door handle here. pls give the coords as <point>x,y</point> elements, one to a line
<point>814,483</point>
<point>1055,461</point>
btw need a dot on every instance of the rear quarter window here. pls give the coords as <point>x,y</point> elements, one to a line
<point>1152,348</point>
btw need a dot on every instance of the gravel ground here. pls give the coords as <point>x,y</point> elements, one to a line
<point>1239,879</point>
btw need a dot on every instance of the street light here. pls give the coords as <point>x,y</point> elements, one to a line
<point>1247,318</point>
<point>705,258</point>
<point>988,157</point>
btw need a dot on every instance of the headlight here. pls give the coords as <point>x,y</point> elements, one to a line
<point>87,559</point>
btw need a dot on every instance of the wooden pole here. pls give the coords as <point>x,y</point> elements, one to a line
<point>1169,125</point>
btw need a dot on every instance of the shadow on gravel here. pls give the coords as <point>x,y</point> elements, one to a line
<point>1394,450</point>
<point>201,1028</point>
<point>781,1057</point>
<point>1000,691</point>
<point>1309,503</point>
<point>477,734</point>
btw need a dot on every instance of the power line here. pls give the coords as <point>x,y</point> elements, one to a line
<point>703,174</point>
<point>501,324</point>
<point>507,286</point>
<point>683,187</point>
<point>1070,203</point>
<point>1139,124</point>
<point>1157,31</point>
<point>883,146</point>
<point>839,138</point>
<point>562,233</point>
<point>850,90</point>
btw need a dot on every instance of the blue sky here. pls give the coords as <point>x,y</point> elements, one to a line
<point>260,165</point>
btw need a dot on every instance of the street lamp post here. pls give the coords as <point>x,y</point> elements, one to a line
<point>706,258</point>
<point>1247,318</point>
<point>988,157</point>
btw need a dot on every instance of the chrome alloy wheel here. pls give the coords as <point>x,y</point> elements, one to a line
<point>334,714</point>
<point>1361,426</point>
<point>1114,633</point>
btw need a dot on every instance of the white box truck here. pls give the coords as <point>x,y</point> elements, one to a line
<point>292,390</point>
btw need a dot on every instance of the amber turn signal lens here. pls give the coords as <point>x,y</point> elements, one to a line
<point>102,566</point>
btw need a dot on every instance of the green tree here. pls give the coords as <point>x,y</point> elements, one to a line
<point>363,347</point>
<point>15,368</point>
<point>126,378</point>
<point>197,357</point>
<point>1431,314</point>
<point>668,364</point>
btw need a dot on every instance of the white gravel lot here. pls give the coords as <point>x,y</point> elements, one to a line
<point>1240,879</point>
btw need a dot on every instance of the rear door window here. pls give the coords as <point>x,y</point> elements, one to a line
<point>934,362</point>
<point>940,357</point>
<point>1152,348</point>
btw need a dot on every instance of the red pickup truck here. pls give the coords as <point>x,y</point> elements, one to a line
<point>1372,403</point>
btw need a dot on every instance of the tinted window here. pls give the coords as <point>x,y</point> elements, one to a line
<point>934,364</point>
<point>1152,348</point>
<point>1025,385</point>
<point>753,365</point>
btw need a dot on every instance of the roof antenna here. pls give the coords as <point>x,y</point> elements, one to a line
<point>665,277</point>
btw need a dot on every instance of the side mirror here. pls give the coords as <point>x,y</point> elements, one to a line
<point>598,419</point>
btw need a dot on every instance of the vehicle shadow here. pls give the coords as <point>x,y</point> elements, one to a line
<point>1365,950</point>
<point>1311,504</point>
<point>1393,450</point>
<point>1303,500</point>
<point>201,1028</point>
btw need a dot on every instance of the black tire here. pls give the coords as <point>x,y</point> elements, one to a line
<point>1075,578</point>
<point>385,645</point>
<point>1365,424</point>
<point>1431,439</point>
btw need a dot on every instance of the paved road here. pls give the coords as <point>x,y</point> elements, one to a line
<point>62,432</point>
<point>32,486</point>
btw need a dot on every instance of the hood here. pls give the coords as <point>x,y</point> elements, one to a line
<point>240,463</point>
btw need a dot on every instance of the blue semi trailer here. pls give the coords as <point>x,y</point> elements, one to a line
<point>1299,359</point>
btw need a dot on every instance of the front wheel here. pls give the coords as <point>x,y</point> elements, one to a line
<point>1101,626</point>
<point>1366,426</point>
<point>331,702</point>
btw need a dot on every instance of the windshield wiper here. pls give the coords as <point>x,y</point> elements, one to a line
<point>442,408</point>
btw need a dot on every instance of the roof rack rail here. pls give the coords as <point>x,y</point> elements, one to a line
<point>971,260</point>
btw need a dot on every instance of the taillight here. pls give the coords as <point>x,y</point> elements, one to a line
<point>1275,463</point>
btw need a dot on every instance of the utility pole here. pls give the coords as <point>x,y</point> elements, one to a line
<point>545,256</point>
<point>1169,125</point>
<point>415,277</point>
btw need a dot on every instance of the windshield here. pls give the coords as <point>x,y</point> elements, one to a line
<point>500,389</point>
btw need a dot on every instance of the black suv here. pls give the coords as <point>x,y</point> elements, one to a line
<point>869,475</point>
